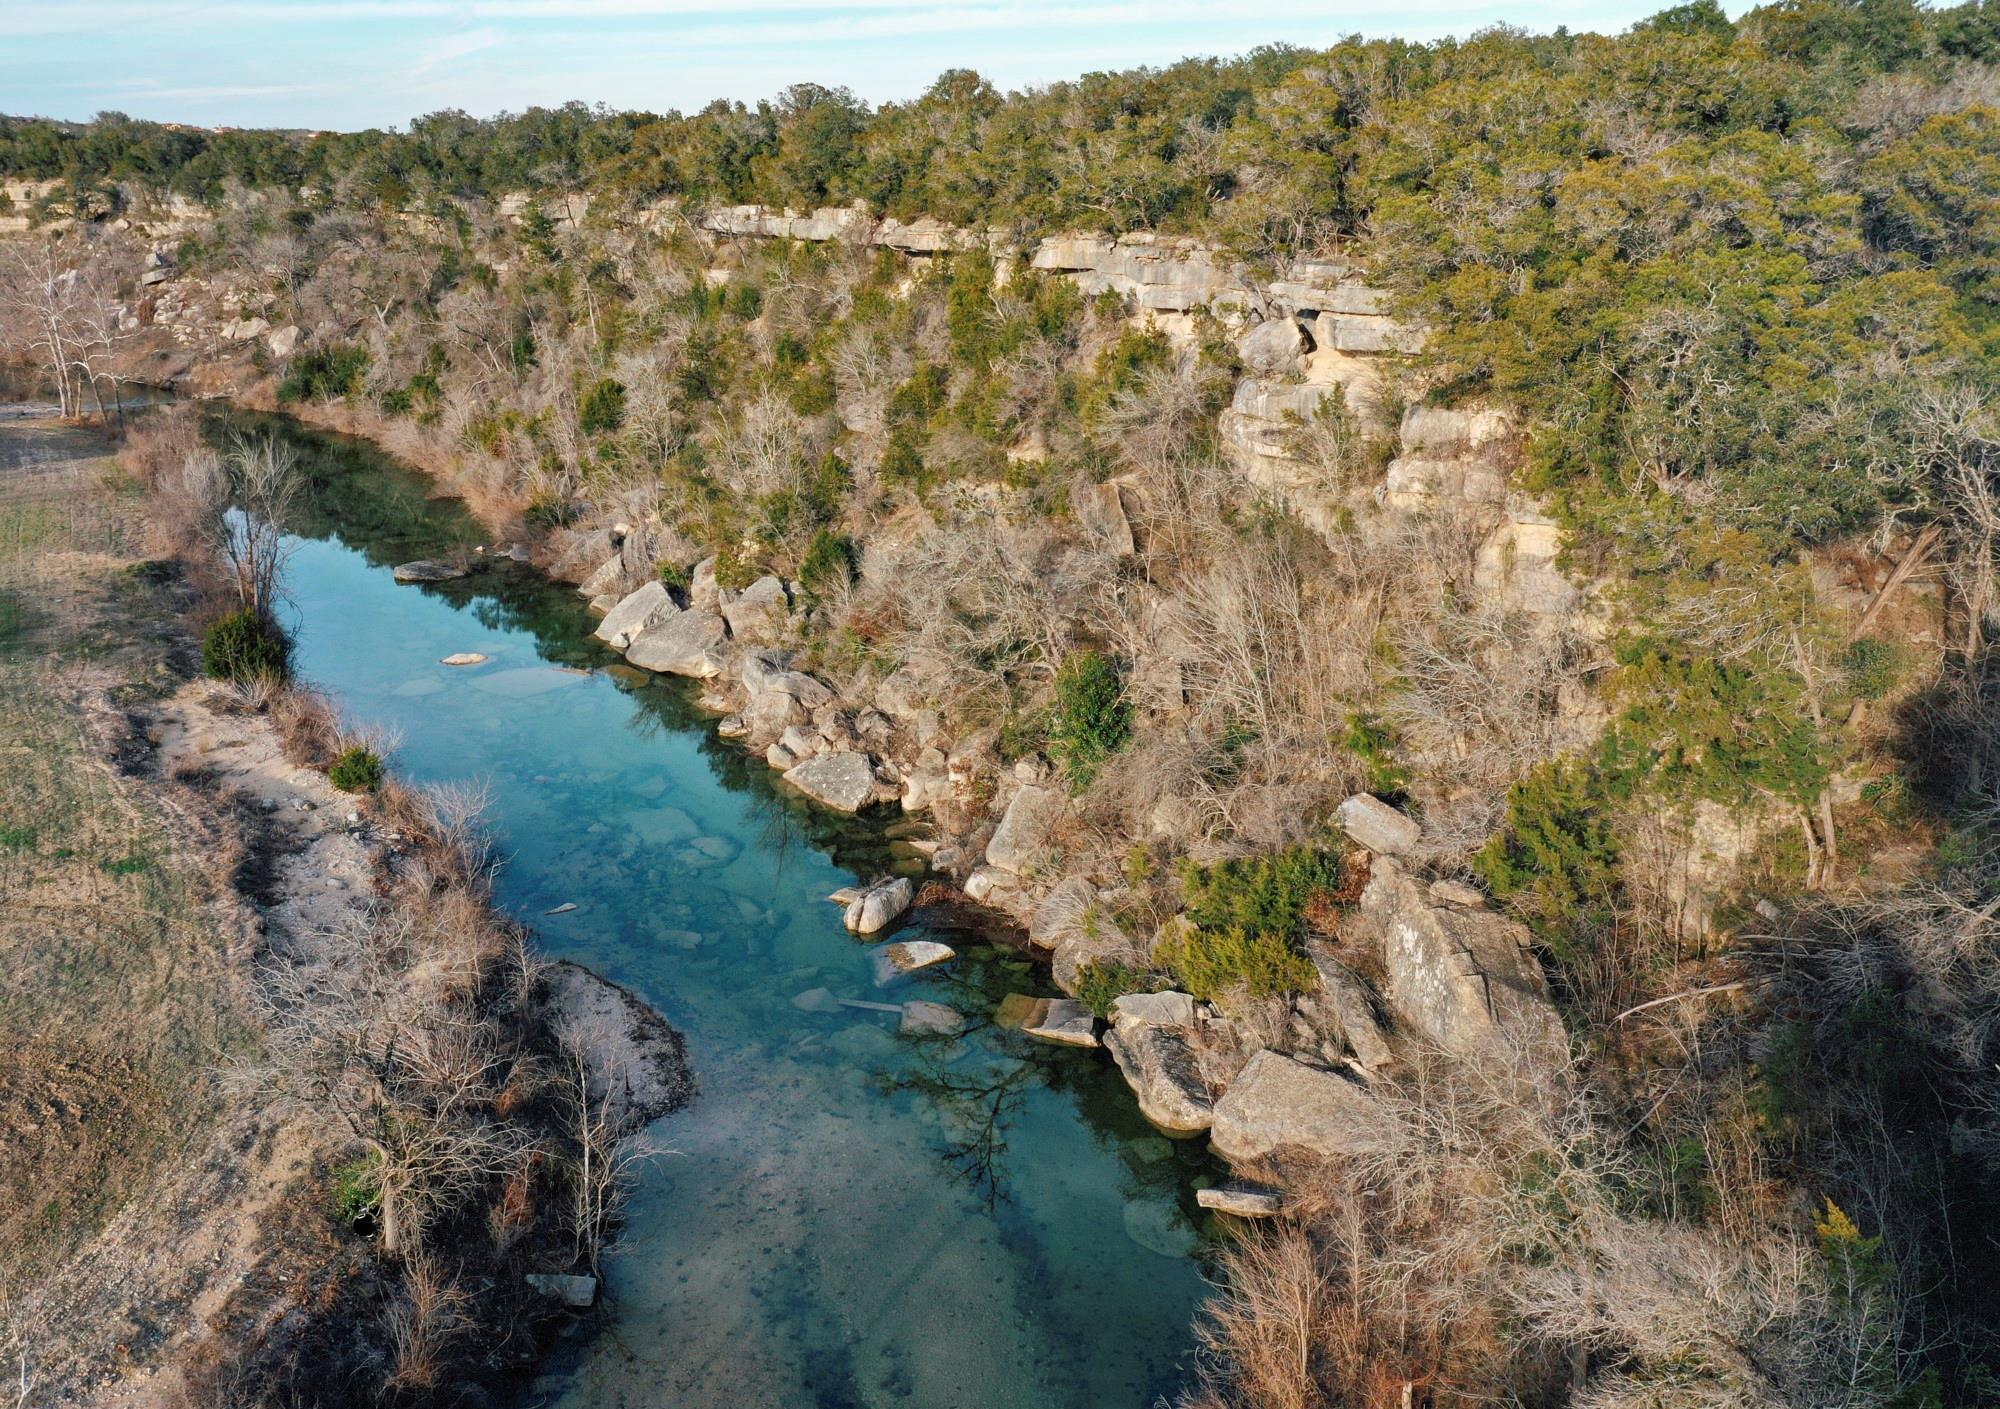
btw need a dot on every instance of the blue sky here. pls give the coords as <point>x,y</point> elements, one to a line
<point>361,63</point>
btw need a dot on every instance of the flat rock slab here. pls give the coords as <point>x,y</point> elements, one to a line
<point>1276,1104</point>
<point>463,658</point>
<point>922,1019</point>
<point>1372,823</point>
<point>1067,1023</point>
<point>844,782</point>
<point>1242,1200</point>
<point>900,960</point>
<point>1020,1010</point>
<point>1161,1009</point>
<point>429,570</point>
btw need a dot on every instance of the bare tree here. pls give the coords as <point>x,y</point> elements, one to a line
<point>61,298</point>
<point>265,481</point>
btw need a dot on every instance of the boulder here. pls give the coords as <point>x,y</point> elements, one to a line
<point>1242,1200</point>
<point>1164,1073</point>
<point>843,781</point>
<point>879,906</point>
<point>1277,1104</point>
<point>688,644</point>
<point>639,611</point>
<point>606,577</point>
<point>761,612</point>
<point>1159,1009</point>
<point>1372,823</point>
<point>463,658</point>
<point>1465,979</point>
<point>576,1293</point>
<point>985,882</point>
<point>1020,1010</point>
<point>1099,508</point>
<point>922,1019</point>
<point>427,570</point>
<point>1065,1022</point>
<point>910,956</point>
<point>1272,347</point>
<point>283,342</point>
<point>1023,834</point>
<point>908,689</point>
<point>926,781</point>
<point>1343,1009</point>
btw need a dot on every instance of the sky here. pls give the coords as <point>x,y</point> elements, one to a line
<point>376,63</point>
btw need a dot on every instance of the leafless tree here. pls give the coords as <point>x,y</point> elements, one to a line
<point>265,482</point>
<point>59,295</point>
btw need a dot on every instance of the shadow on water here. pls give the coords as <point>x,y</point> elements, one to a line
<point>851,1215</point>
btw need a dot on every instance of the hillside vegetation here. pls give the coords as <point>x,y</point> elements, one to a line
<point>1725,297</point>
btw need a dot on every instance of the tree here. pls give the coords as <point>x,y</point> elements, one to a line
<point>59,297</point>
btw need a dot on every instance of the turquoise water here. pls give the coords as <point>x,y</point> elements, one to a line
<point>847,1216</point>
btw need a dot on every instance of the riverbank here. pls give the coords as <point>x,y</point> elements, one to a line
<point>210,1197</point>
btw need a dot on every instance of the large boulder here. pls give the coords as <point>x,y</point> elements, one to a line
<point>1343,1010</point>
<point>1064,1022</point>
<point>1160,1009</point>
<point>1099,508</point>
<point>1022,837</point>
<point>606,577</point>
<point>639,611</point>
<point>761,612</point>
<point>1163,1071</point>
<point>687,644</point>
<point>1372,823</point>
<point>1277,1104</point>
<point>843,781</point>
<point>1466,979</point>
<point>1273,347</point>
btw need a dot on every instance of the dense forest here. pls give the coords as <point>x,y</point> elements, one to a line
<point>1736,283</point>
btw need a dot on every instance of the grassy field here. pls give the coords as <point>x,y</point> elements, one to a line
<point>120,947</point>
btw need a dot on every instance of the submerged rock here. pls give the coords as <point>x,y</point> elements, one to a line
<point>1158,1227</point>
<point>843,781</point>
<point>921,1019</point>
<point>900,960</point>
<point>576,1293</point>
<point>638,1064</point>
<point>817,1000</point>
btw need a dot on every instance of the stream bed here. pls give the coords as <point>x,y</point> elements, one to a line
<point>846,1216</point>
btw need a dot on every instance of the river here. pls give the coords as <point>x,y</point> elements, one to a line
<point>846,1216</point>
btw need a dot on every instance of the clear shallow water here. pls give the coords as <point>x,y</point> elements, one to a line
<point>850,1217</point>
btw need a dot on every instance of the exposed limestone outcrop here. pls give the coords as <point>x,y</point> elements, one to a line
<point>1163,1071</point>
<point>687,643</point>
<point>843,781</point>
<point>636,613</point>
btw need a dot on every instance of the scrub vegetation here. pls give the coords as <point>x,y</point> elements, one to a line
<point>1736,286</point>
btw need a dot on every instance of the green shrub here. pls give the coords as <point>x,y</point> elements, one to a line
<point>831,562</point>
<point>602,408</point>
<point>359,770</point>
<point>357,1189</point>
<point>1871,666</point>
<point>1372,741</point>
<point>1261,894</point>
<point>245,646</point>
<point>325,373</point>
<point>547,510</point>
<point>672,574</point>
<point>1556,856</point>
<point>1209,963</point>
<point>1091,718</point>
